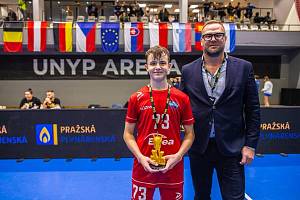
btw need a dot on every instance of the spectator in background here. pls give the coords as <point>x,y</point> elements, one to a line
<point>268,19</point>
<point>117,10</point>
<point>221,11</point>
<point>92,10</point>
<point>249,11</point>
<point>29,101</point>
<point>164,15</point>
<point>206,6</point>
<point>230,12</point>
<point>51,102</point>
<point>257,19</point>
<point>257,82</point>
<point>139,11</point>
<point>11,15</point>
<point>22,6</point>
<point>267,90</point>
<point>238,10</point>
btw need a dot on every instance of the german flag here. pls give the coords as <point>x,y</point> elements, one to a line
<point>13,36</point>
<point>62,32</point>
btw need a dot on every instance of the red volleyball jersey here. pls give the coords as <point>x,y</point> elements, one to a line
<point>140,112</point>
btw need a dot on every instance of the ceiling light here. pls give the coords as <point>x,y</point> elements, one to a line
<point>168,5</point>
<point>177,10</point>
<point>142,5</point>
<point>193,6</point>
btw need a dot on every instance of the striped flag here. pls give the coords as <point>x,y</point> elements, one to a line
<point>182,37</point>
<point>37,35</point>
<point>134,36</point>
<point>85,36</point>
<point>12,36</point>
<point>62,32</point>
<point>158,34</point>
<point>198,35</point>
<point>230,33</point>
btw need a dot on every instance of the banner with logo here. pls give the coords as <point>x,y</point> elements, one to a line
<point>62,134</point>
<point>279,130</point>
<point>106,66</point>
<point>99,133</point>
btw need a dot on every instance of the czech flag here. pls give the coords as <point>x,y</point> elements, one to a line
<point>198,35</point>
<point>158,34</point>
<point>230,30</point>
<point>134,37</point>
<point>182,37</point>
<point>37,35</point>
<point>63,39</point>
<point>85,36</point>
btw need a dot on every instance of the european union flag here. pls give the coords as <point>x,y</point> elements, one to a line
<point>110,36</point>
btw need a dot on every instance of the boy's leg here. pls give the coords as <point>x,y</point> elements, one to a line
<point>174,193</point>
<point>140,192</point>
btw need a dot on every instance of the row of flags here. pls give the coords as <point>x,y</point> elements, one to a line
<point>86,36</point>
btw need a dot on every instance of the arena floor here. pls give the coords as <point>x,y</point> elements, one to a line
<point>271,177</point>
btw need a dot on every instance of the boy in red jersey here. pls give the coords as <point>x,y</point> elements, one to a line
<point>158,109</point>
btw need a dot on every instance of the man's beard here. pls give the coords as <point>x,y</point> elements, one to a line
<point>216,53</point>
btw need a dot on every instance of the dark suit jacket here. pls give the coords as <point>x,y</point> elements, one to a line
<point>236,114</point>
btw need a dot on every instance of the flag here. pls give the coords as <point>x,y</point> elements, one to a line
<point>230,33</point>
<point>62,32</point>
<point>85,36</point>
<point>37,35</point>
<point>198,35</point>
<point>12,36</point>
<point>182,37</point>
<point>110,36</point>
<point>158,34</point>
<point>134,36</point>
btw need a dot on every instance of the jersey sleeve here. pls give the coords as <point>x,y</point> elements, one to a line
<point>132,111</point>
<point>187,114</point>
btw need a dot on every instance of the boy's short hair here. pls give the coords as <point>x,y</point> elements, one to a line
<point>157,52</point>
<point>29,90</point>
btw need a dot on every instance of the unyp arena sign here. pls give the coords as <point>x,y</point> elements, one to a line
<point>96,66</point>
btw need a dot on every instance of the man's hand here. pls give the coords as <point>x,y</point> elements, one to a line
<point>145,162</point>
<point>172,160</point>
<point>247,155</point>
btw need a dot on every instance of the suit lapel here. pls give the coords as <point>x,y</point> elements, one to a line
<point>200,83</point>
<point>229,76</point>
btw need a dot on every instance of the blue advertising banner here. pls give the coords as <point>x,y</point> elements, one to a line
<point>99,133</point>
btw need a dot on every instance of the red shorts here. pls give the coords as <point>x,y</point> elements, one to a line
<point>146,193</point>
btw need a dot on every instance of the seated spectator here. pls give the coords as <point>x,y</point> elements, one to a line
<point>29,101</point>
<point>258,19</point>
<point>92,10</point>
<point>221,11</point>
<point>268,19</point>
<point>11,15</point>
<point>117,10</point>
<point>51,102</point>
<point>230,12</point>
<point>238,10</point>
<point>164,15</point>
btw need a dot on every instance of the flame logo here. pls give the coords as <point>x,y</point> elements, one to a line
<point>44,135</point>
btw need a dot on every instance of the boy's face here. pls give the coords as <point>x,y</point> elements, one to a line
<point>158,68</point>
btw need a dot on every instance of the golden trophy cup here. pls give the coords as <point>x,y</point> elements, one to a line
<point>157,154</point>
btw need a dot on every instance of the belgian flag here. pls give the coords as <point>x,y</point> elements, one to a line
<point>13,36</point>
<point>62,32</point>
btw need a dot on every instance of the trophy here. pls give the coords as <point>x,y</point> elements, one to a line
<point>157,155</point>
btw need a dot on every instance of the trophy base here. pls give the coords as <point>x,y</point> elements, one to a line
<point>157,167</point>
